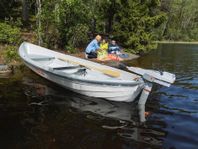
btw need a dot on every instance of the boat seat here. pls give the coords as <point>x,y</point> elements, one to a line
<point>41,57</point>
<point>66,67</point>
<point>78,71</point>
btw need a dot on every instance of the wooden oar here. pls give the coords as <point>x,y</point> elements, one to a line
<point>108,72</point>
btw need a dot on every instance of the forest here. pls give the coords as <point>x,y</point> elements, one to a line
<point>71,24</point>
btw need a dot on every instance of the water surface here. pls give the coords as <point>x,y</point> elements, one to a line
<point>35,113</point>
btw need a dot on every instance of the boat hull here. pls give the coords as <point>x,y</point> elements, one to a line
<point>111,92</point>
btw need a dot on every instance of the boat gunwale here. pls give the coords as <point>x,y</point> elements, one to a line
<point>87,81</point>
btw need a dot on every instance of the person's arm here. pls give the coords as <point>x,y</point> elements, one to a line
<point>118,47</point>
<point>121,48</point>
<point>97,46</point>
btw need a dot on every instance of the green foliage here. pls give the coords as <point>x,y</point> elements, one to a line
<point>182,20</point>
<point>135,23</point>
<point>9,34</point>
<point>193,35</point>
<point>78,35</point>
<point>71,49</point>
<point>64,23</point>
<point>69,24</point>
<point>10,53</point>
<point>9,9</point>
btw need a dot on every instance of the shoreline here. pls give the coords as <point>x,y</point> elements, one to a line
<point>131,56</point>
<point>80,54</point>
<point>177,42</point>
<point>112,63</point>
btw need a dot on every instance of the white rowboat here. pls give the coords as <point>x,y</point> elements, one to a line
<point>82,76</point>
<point>93,79</point>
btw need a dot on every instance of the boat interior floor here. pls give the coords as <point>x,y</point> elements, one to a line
<point>66,68</point>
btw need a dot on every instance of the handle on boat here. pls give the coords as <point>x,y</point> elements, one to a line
<point>108,72</point>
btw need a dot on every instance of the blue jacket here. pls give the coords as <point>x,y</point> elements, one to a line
<point>92,46</point>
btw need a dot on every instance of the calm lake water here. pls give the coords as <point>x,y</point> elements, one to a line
<point>37,114</point>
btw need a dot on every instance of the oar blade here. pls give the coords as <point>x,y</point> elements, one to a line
<point>110,73</point>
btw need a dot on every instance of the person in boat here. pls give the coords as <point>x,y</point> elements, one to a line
<point>114,48</point>
<point>102,53</point>
<point>93,47</point>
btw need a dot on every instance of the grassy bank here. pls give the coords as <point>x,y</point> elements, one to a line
<point>9,55</point>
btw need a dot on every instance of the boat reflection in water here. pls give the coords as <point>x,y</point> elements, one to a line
<point>57,95</point>
<point>67,115</point>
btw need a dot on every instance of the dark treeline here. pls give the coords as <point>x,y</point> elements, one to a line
<point>68,24</point>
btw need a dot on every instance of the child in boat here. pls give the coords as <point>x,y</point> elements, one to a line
<point>114,48</point>
<point>114,51</point>
<point>93,47</point>
<point>102,54</point>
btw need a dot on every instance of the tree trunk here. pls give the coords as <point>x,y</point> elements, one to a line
<point>25,11</point>
<point>110,17</point>
<point>38,20</point>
